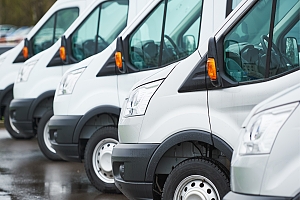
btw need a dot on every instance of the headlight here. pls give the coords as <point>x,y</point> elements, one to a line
<point>262,129</point>
<point>25,71</point>
<point>69,80</point>
<point>139,98</point>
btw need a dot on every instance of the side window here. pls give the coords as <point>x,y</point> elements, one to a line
<point>170,33</point>
<point>246,46</point>
<point>53,29</point>
<point>99,29</point>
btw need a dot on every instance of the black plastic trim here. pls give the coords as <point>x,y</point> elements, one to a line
<point>95,111</point>
<point>38,100</point>
<point>20,58</point>
<point>236,196</point>
<point>56,60</point>
<point>6,96</point>
<point>183,136</point>
<point>64,125</point>
<point>132,183</point>
<point>109,68</point>
<point>196,80</point>
<point>19,109</point>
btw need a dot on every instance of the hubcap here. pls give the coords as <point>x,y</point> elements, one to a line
<point>196,187</point>
<point>102,159</point>
<point>47,138</point>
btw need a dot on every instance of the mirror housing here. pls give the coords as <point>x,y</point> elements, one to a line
<point>63,50</point>
<point>291,50</point>
<point>119,59</point>
<point>25,50</point>
<point>211,65</point>
<point>189,43</point>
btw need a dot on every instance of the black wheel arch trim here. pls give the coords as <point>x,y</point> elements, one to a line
<point>38,100</point>
<point>4,97</point>
<point>91,113</point>
<point>184,136</point>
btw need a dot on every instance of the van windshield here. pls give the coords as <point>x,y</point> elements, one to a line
<point>170,33</point>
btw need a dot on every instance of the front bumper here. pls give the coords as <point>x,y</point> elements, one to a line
<point>62,129</point>
<point>236,196</point>
<point>129,162</point>
<point>19,111</point>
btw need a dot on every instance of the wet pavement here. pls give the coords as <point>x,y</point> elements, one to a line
<point>26,174</point>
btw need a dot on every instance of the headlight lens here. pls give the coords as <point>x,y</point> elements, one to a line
<point>25,71</point>
<point>139,98</point>
<point>69,80</point>
<point>262,129</point>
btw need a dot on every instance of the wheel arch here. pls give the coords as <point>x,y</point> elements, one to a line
<point>180,137</point>
<point>6,96</point>
<point>36,110</point>
<point>110,109</point>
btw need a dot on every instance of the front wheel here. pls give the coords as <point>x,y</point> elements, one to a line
<point>97,159</point>
<point>196,179</point>
<point>44,137</point>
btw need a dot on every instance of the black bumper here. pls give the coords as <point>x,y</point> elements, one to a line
<point>129,162</point>
<point>19,111</point>
<point>62,130</point>
<point>237,196</point>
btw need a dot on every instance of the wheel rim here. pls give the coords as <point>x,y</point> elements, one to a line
<point>47,138</point>
<point>102,159</point>
<point>12,125</point>
<point>196,187</point>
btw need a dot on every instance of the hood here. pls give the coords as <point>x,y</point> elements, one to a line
<point>287,96</point>
<point>160,74</point>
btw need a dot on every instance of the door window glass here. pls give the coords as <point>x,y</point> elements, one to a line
<point>53,29</point>
<point>246,45</point>
<point>170,33</point>
<point>99,30</point>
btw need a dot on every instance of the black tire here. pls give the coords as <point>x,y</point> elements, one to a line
<point>44,137</point>
<point>201,176</point>
<point>97,157</point>
<point>12,130</point>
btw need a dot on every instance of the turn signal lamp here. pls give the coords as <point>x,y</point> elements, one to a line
<point>25,52</point>
<point>211,69</point>
<point>118,59</point>
<point>62,53</point>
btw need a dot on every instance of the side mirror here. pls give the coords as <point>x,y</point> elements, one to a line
<point>119,59</point>
<point>291,50</point>
<point>189,44</point>
<point>212,70</point>
<point>25,49</point>
<point>63,50</point>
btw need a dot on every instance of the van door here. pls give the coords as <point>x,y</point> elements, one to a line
<point>260,58</point>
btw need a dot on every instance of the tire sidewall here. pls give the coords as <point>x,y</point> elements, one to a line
<point>99,135</point>
<point>40,135</point>
<point>201,167</point>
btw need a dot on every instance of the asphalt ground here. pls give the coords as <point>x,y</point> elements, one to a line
<point>25,174</point>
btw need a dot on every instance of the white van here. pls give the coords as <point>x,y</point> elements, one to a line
<point>88,100</point>
<point>266,163</point>
<point>45,33</point>
<point>34,89</point>
<point>178,128</point>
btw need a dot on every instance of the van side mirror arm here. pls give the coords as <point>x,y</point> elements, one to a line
<point>212,63</point>
<point>119,56</point>
<point>63,50</point>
